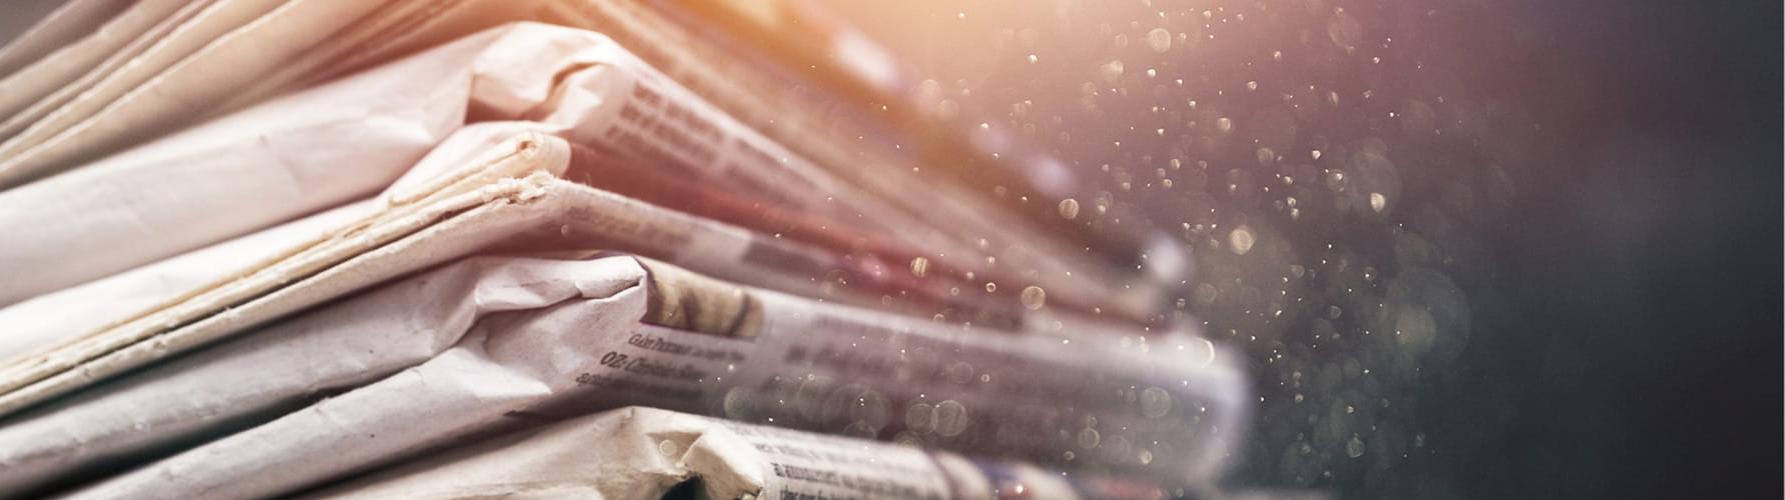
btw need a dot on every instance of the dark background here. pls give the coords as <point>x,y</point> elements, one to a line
<point>1619,242</point>
<point>1663,267</point>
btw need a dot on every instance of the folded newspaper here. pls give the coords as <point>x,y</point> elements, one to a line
<point>406,248</point>
<point>489,343</point>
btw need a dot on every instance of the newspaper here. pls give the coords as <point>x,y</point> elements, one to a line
<point>302,40</point>
<point>268,164</point>
<point>580,104</point>
<point>95,428</point>
<point>215,325</point>
<point>639,452</point>
<point>426,219</point>
<point>1070,400</point>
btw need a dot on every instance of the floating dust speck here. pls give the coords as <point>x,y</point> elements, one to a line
<point>1354,447</point>
<point>1345,31</point>
<point>920,417</point>
<point>1415,330</point>
<point>1159,39</point>
<point>1206,293</point>
<point>1155,402</point>
<point>1111,71</point>
<point>1241,240</point>
<point>948,109</point>
<point>1378,202</point>
<point>1088,438</point>
<point>951,418</point>
<point>1069,208</point>
<point>1034,297</point>
<point>1418,119</point>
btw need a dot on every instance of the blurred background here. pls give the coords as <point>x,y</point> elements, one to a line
<point>1472,249</point>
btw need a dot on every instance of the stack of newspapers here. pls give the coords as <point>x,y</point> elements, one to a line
<point>560,248</point>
